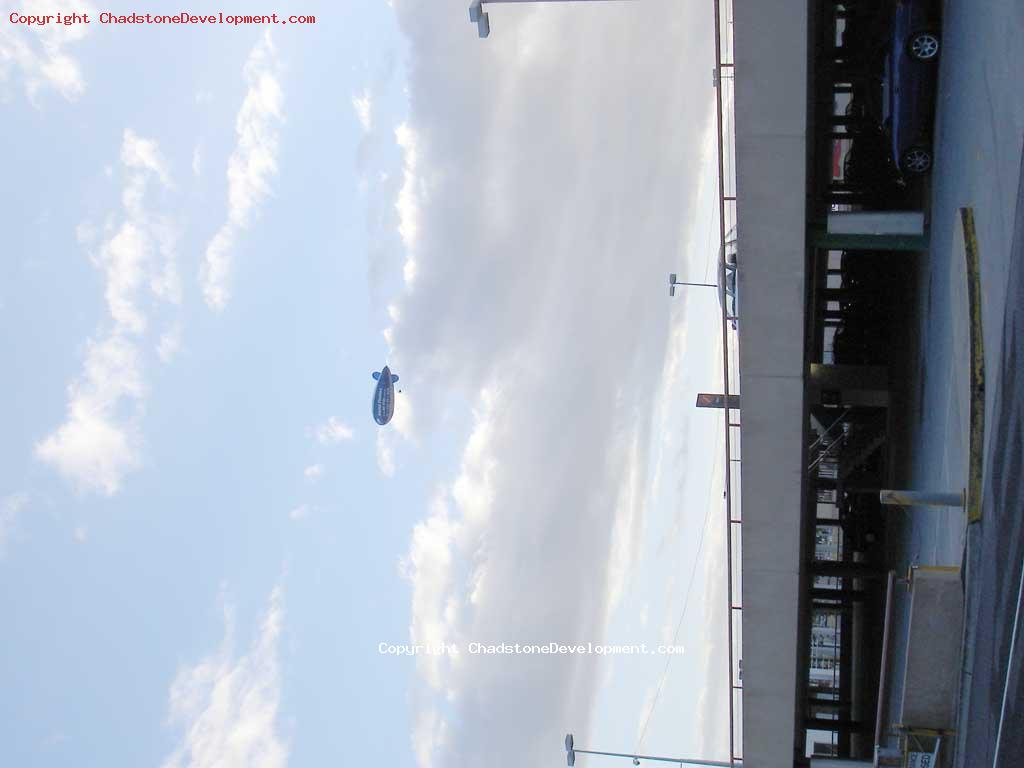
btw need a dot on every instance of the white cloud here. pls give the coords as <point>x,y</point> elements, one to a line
<point>80,534</point>
<point>713,698</point>
<point>633,498</point>
<point>227,707</point>
<point>123,260</point>
<point>411,198</point>
<point>94,447</point>
<point>362,103</point>
<point>250,167</point>
<point>300,512</point>
<point>10,508</point>
<point>537,224</point>
<point>170,343</point>
<point>197,162</point>
<point>385,454</point>
<point>429,568</point>
<point>428,736</point>
<point>404,421</point>
<point>313,472</point>
<point>38,53</point>
<point>137,152</point>
<point>99,440</point>
<point>333,431</point>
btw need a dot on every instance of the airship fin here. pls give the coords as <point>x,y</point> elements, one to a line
<point>376,375</point>
<point>394,378</point>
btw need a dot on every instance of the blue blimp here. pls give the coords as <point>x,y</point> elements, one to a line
<point>384,396</point>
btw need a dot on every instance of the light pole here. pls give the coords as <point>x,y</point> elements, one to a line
<point>672,283</point>
<point>571,752</point>
<point>478,15</point>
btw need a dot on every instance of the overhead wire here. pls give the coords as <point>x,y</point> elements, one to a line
<point>682,616</point>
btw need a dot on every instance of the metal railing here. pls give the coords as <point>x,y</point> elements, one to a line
<point>723,82</point>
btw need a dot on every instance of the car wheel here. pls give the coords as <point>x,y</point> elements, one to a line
<point>924,46</point>
<point>916,160</point>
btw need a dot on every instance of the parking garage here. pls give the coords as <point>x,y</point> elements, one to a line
<point>829,211</point>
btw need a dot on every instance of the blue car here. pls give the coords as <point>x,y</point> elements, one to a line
<point>911,75</point>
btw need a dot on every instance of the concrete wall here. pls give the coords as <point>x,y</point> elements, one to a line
<point>771,119</point>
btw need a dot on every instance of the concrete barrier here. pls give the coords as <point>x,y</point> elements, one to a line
<point>933,648</point>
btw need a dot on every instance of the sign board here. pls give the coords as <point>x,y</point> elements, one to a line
<point>709,400</point>
<point>924,759</point>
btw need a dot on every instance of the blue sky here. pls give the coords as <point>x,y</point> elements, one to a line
<point>212,237</point>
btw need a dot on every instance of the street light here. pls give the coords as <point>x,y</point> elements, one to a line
<point>672,283</point>
<point>478,15</point>
<point>571,752</point>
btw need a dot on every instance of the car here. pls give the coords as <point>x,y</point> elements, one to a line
<point>909,83</point>
<point>728,285</point>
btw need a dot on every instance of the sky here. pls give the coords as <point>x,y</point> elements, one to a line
<point>212,236</point>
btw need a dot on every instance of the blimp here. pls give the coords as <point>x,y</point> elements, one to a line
<point>384,396</point>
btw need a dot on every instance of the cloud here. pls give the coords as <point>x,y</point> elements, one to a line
<point>547,189</point>
<point>313,472</point>
<point>38,53</point>
<point>11,507</point>
<point>414,192</point>
<point>400,428</point>
<point>170,343</point>
<point>137,152</point>
<point>227,707</point>
<point>712,696</point>
<point>362,103</point>
<point>94,447</point>
<point>373,157</point>
<point>385,454</point>
<point>99,440</point>
<point>333,431</point>
<point>300,512</point>
<point>250,167</point>
<point>428,736</point>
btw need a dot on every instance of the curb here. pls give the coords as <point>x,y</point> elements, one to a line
<point>975,466</point>
<point>977,355</point>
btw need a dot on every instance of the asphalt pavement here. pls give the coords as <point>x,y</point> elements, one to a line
<point>993,711</point>
<point>979,136</point>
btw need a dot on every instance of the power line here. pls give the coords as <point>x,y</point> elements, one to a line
<point>686,603</point>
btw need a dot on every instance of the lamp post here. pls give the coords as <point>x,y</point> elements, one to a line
<point>571,752</point>
<point>478,15</point>
<point>672,283</point>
